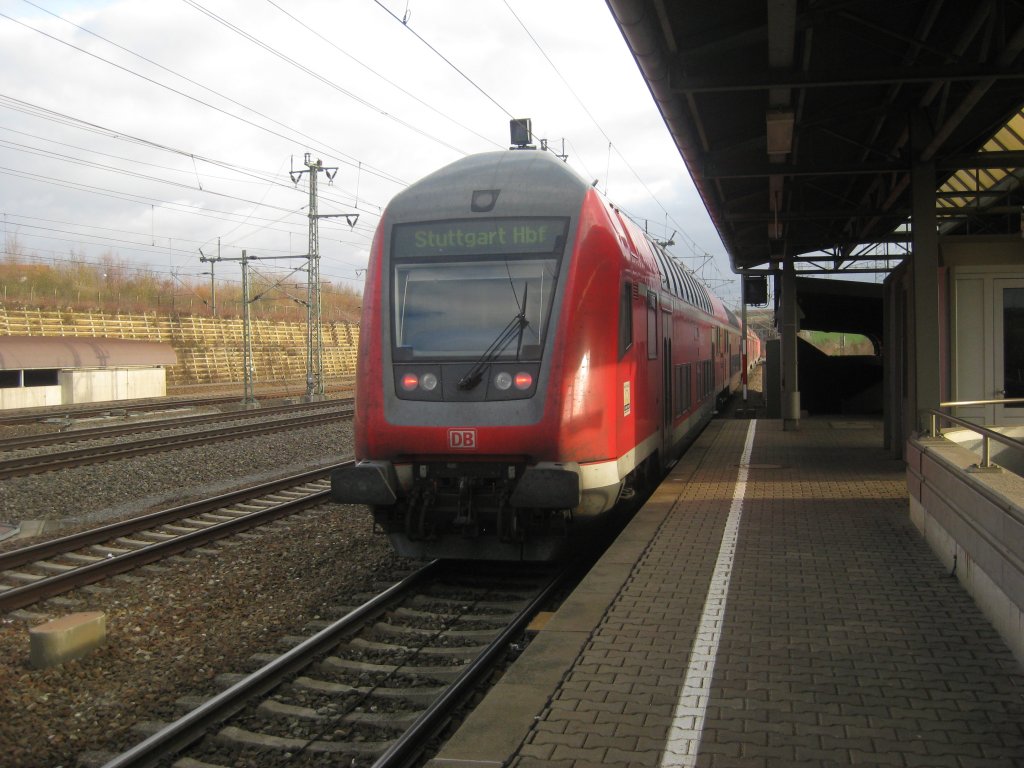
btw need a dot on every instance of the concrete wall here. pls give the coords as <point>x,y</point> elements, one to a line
<point>974,526</point>
<point>29,397</point>
<point>89,386</point>
<point>95,386</point>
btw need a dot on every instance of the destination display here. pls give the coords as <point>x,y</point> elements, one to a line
<point>479,237</point>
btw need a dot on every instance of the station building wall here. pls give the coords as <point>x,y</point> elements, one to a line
<point>986,282</point>
<point>30,397</point>
<point>95,386</point>
<point>87,386</point>
<point>970,516</point>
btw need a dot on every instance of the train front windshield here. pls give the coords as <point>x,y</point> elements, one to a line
<point>461,288</point>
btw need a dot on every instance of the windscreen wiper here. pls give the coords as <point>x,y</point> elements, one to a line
<point>515,328</point>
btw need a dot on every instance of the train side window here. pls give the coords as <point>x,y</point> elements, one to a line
<point>652,325</point>
<point>625,318</point>
<point>687,387</point>
<point>683,389</point>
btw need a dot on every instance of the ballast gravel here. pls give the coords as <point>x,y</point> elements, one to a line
<point>174,626</point>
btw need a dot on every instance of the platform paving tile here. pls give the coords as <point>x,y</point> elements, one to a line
<point>531,754</point>
<point>641,757</point>
<point>595,755</point>
<point>843,642</point>
<point>600,740</point>
<point>562,726</point>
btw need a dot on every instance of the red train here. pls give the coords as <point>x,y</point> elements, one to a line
<point>528,359</point>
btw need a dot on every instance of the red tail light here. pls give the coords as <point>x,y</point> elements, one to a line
<point>523,380</point>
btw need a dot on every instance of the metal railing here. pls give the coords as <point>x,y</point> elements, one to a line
<point>996,401</point>
<point>987,434</point>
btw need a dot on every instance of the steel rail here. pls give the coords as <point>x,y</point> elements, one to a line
<point>78,456</point>
<point>19,597</point>
<point>19,557</point>
<point>193,726</point>
<point>411,743</point>
<point>57,412</point>
<point>180,422</point>
<point>146,404</point>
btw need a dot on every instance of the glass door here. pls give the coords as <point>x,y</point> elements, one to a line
<point>1008,348</point>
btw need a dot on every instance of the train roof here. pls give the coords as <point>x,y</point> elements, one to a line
<point>532,182</point>
<point>680,281</point>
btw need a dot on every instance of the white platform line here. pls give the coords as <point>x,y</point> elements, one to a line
<point>688,721</point>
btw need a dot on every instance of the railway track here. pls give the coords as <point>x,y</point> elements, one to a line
<point>32,574</point>
<point>179,422</point>
<point>373,687</point>
<point>74,457</point>
<point>36,415</point>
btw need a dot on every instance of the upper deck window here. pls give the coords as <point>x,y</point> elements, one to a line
<point>458,285</point>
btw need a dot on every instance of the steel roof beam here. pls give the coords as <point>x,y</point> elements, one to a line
<point>737,169</point>
<point>763,81</point>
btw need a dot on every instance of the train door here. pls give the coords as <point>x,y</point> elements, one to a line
<point>666,382</point>
<point>1008,349</point>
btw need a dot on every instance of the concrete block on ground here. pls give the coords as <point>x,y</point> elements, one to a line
<point>66,638</point>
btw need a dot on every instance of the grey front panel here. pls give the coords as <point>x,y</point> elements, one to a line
<point>519,184</point>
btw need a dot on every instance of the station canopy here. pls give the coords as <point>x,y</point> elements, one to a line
<point>800,120</point>
<point>79,352</point>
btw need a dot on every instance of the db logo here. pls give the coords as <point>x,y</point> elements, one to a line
<point>462,439</point>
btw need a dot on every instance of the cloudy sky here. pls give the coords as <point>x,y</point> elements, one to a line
<point>146,130</point>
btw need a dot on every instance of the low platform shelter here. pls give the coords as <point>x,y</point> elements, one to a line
<point>39,371</point>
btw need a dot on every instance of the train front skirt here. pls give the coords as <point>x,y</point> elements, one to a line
<point>475,510</point>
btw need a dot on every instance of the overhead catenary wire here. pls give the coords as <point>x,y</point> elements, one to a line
<point>341,156</point>
<point>193,170</point>
<point>193,158</point>
<point>259,176</point>
<point>440,55</point>
<point>135,161</point>
<point>316,76</point>
<point>135,197</point>
<point>70,121</point>
<point>360,165</point>
<point>170,205</point>
<point>611,144</point>
<point>374,72</point>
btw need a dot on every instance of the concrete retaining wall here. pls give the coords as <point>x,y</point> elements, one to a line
<point>974,526</point>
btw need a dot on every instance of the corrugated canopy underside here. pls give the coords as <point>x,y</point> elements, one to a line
<point>46,352</point>
<point>800,121</point>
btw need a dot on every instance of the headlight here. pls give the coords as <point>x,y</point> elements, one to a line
<point>503,380</point>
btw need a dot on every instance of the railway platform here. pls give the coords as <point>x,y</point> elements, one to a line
<point>771,605</point>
